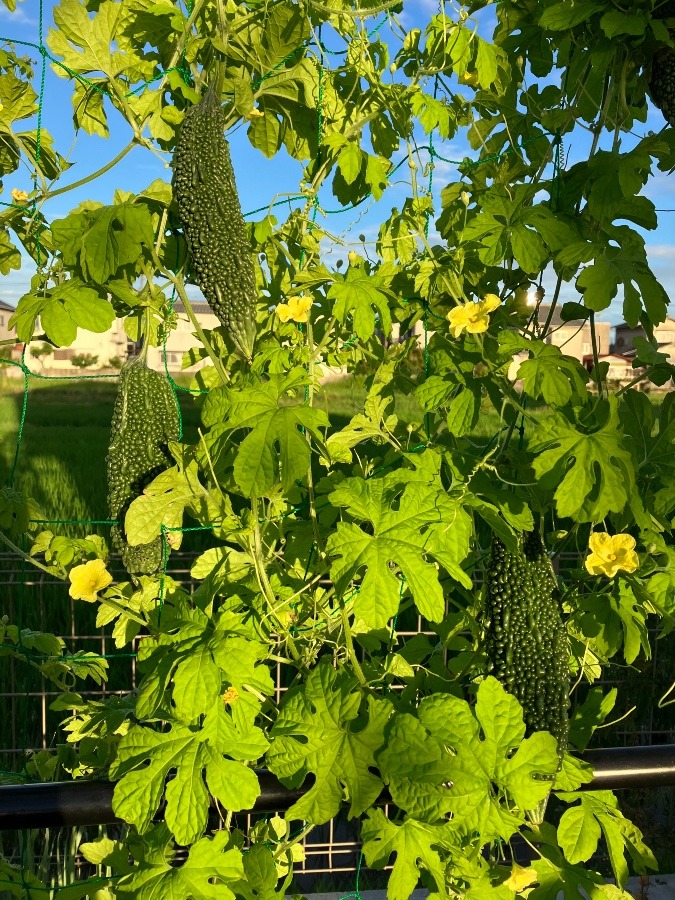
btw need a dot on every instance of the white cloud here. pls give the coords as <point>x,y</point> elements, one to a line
<point>18,17</point>
<point>661,251</point>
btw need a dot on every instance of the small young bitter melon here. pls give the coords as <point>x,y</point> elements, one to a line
<point>526,640</point>
<point>205,192</point>
<point>144,420</point>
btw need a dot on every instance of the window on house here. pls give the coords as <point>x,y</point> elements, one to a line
<point>667,337</point>
<point>586,349</point>
<point>2,321</point>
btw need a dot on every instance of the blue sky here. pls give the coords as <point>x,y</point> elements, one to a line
<point>259,179</point>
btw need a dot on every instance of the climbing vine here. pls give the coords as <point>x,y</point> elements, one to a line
<point>323,539</point>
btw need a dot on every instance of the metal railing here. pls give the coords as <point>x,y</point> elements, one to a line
<point>90,802</point>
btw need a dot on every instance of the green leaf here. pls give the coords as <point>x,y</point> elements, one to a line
<point>463,412</point>
<point>601,809</point>
<point>589,715</point>
<point>565,15</point>
<point>85,46</point>
<point>528,249</point>
<point>558,878</point>
<point>356,296</point>
<point>102,241</point>
<point>615,22</point>
<point>62,309</point>
<point>315,732</point>
<point>10,258</point>
<point>17,99</point>
<point>205,874</point>
<point>592,472</point>
<point>413,843</point>
<point>410,534</point>
<point>89,111</point>
<point>578,834</point>
<point>470,752</point>
<point>350,161</point>
<point>553,376</point>
<point>163,503</point>
<point>275,450</point>
<point>145,759</point>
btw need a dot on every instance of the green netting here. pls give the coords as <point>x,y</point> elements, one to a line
<point>319,52</point>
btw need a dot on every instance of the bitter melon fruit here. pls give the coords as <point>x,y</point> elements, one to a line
<point>526,641</point>
<point>205,192</point>
<point>662,83</point>
<point>145,419</point>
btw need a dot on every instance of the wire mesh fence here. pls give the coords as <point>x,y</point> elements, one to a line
<point>330,854</point>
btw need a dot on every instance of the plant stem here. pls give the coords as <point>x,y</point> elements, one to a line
<point>94,175</point>
<point>12,546</point>
<point>351,652</point>
<point>263,580</point>
<point>178,283</point>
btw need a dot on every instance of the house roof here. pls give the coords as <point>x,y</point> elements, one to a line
<point>5,307</point>
<point>556,321</point>
<point>623,326</point>
<point>200,307</point>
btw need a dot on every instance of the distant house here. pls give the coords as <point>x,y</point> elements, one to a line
<point>6,334</point>
<point>116,345</point>
<point>574,337</point>
<point>664,334</point>
<point>182,338</point>
<point>620,370</point>
<point>8,350</point>
<point>105,347</point>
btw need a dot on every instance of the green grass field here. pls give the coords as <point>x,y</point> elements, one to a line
<point>64,440</point>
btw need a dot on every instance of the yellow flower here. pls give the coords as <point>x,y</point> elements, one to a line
<point>465,198</point>
<point>296,310</point>
<point>474,317</point>
<point>231,695</point>
<point>611,553</point>
<point>87,580</point>
<point>469,78</point>
<point>19,196</point>
<point>520,878</point>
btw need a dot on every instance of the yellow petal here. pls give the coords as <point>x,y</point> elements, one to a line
<point>459,318</point>
<point>594,564</point>
<point>623,542</point>
<point>601,543</point>
<point>478,325</point>
<point>300,307</point>
<point>19,196</point>
<point>283,311</point>
<point>489,303</point>
<point>520,878</point>
<point>88,579</point>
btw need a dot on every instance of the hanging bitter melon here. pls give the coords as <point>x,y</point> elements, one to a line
<point>526,640</point>
<point>145,419</point>
<point>205,192</point>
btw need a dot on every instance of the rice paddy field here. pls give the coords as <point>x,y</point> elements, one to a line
<point>66,430</point>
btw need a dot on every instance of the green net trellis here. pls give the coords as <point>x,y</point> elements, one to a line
<point>320,53</point>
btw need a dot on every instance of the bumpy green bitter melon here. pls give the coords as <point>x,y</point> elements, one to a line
<point>145,419</point>
<point>205,192</point>
<point>525,638</point>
